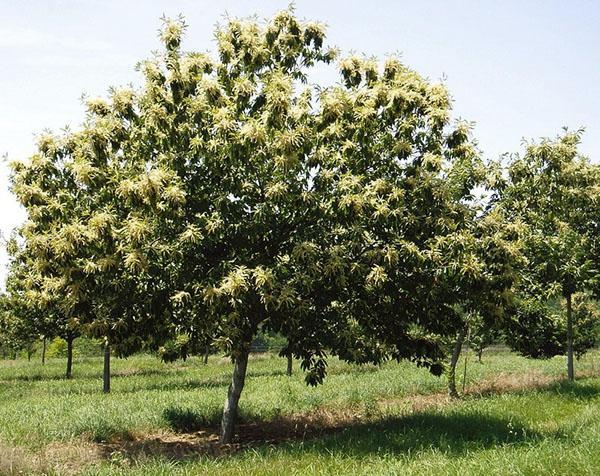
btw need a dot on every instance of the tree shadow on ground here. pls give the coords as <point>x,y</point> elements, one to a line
<point>452,434</point>
<point>185,420</point>
<point>580,389</point>
<point>172,381</point>
<point>38,377</point>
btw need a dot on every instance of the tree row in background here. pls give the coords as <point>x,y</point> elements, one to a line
<point>230,196</point>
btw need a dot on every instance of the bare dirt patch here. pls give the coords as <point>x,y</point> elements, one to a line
<point>181,446</point>
<point>55,458</point>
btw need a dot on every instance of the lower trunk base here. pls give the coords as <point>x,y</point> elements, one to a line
<point>106,373</point>
<point>230,409</point>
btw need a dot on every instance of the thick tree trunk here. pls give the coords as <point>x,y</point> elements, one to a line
<point>290,364</point>
<point>44,351</point>
<point>206,352</point>
<point>106,373</point>
<point>230,409</point>
<point>570,366</point>
<point>69,372</point>
<point>452,392</point>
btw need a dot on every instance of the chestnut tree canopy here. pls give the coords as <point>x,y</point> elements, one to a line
<point>229,194</point>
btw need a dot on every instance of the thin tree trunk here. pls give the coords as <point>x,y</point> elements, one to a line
<point>230,409</point>
<point>479,355</point>
<point>44,351</point>
<point>290,364</point>
<point>464,382</point>
<point>69,372</point>
<point>570,366</point>
<point>452,392</point>
<point>206,352</point>
<point>106,373</point>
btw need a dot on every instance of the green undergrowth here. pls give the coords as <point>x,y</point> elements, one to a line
<point>549,431</point>
<point>511,432</point>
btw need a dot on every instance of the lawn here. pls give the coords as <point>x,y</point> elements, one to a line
<point>517,418</point>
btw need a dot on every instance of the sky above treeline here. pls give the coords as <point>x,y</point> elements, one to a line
<point>518,69</point>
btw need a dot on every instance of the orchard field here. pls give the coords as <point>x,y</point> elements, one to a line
<point>229,199</point>
<point>518,416</point>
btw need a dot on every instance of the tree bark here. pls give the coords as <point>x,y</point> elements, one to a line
<point>69,372</point>
<point>230,409</point>
<point>44,351</point>
<point>570,366</point>
<point>464,380</point>
<point>206,352</point>
<point>106,373</point>
<point>452,392</point>
<point>290,364</point>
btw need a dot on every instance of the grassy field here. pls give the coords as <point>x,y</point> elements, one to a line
<point>517,418</point>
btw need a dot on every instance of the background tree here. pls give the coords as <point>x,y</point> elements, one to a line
<point>552,190</point>
<point>419,256</point>
<point>11,340</point>
<point>539,329</point>
<point>84,250</point>
<point>27,321</point>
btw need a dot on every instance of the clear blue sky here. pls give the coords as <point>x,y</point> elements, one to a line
<point>519,69</point>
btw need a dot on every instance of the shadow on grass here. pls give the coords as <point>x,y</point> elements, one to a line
<point>454,434</point>
<point>185,420</point>
<point>580,389</point>
<point>38,377</point>
<point>189,384</point>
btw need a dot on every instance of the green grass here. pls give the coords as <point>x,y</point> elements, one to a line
<point>551,430</point>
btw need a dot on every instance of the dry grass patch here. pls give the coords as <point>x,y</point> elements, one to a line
<point>16,460</point>
<point>514,382</point>
<point>70,458</point>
